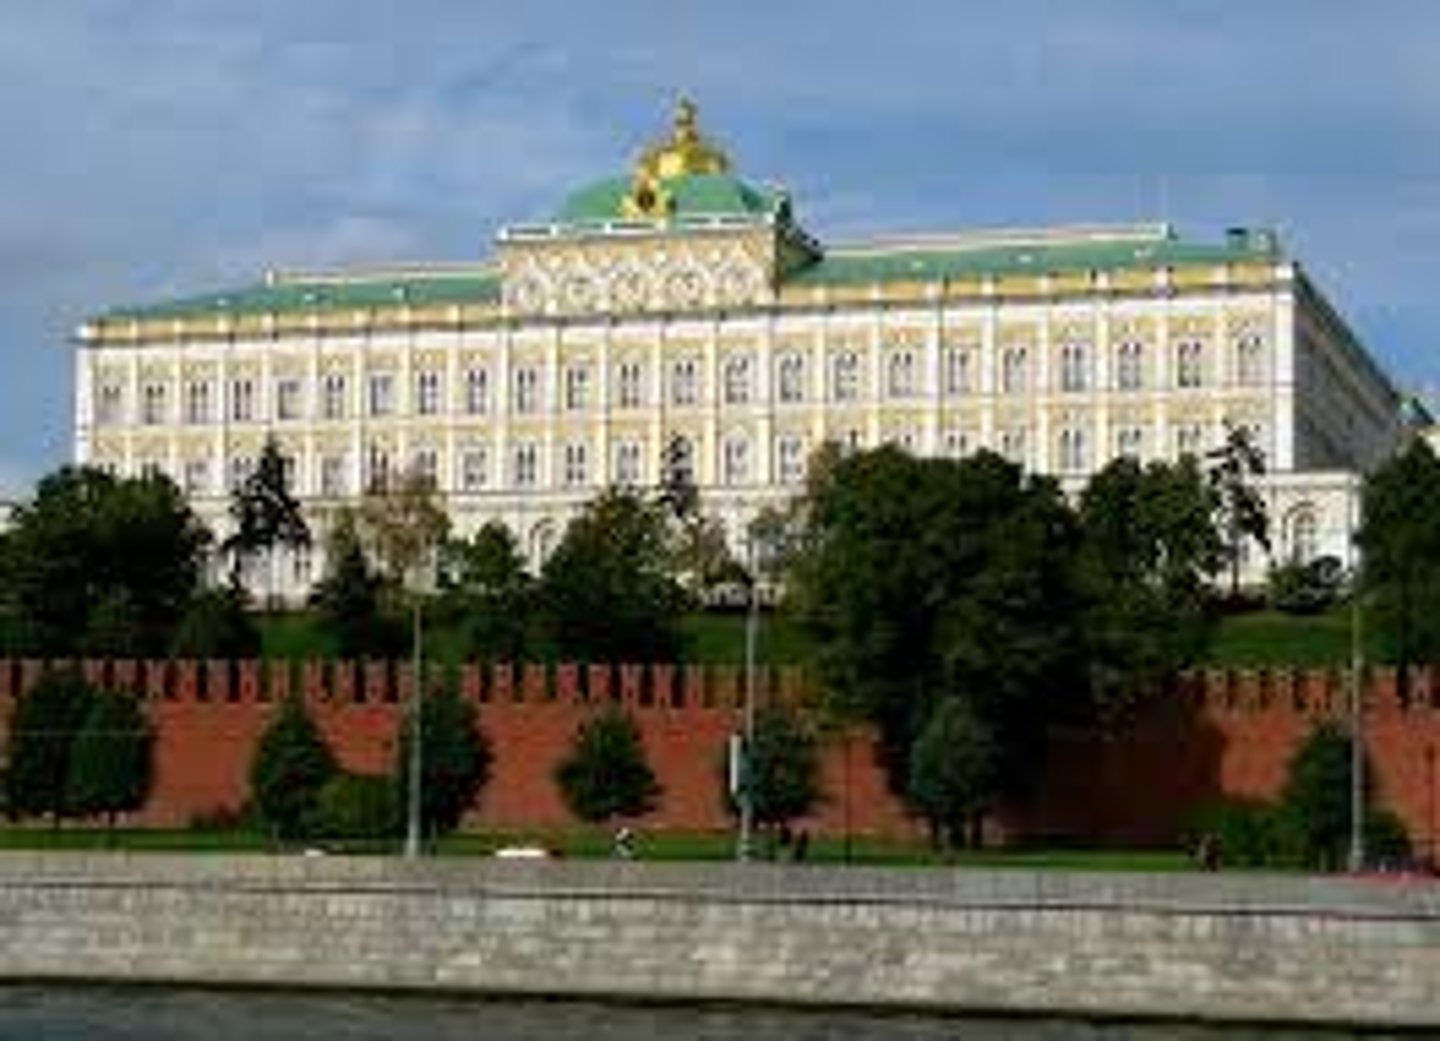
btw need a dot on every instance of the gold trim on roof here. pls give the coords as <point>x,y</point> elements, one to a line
<point>686,151</point>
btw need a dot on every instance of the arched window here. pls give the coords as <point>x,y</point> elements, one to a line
<point>1013,370</point>
<point>1072,451</point>
<point>684,382</point>
<point>902,374</point>
<point>845,379</point>
<point>737,460</point>
<point>1304,534</point>
<point>1249,359</point>
<point>957,370</point>
<point>1130,365</point>
<point>1189,364</point>
<point>542,542</point>
<point>737,379</point>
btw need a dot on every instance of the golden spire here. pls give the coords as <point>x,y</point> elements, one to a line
<point>686,151</point>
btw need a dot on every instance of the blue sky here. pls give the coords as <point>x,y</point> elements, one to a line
<point>161,147</point>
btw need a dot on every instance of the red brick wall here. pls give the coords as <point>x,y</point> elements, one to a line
<point>1216,734</point>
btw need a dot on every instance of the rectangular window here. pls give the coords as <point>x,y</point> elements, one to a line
<point>1250,359</point>
<point>577,388</point>
<point>957,370</point>
<point>382,393</point>
<point>287,398</point>
<point>332,476</point>
<point>110,406</point>
<point>426,464</point>
<point>242,400</point>
<point>683,382</point>
<point>1189,440</point>
<point>902,374</point>
<point>526,465</point>
<point>575,468</point>
<point>197,401</point>
<point>790,459</point>
<point>196,476</point>
<point>427,393</point>
<point>527,389</point>
<point>377,467</point>
<point>152,404</point>
<point>628,472</point>
<point>241,467</point>
<point>956,444</point>
<point>333,396</point>
<point>1074,368</point>
<point>629,391</point>
<point>1130,442</point>
<point>474,468</point>
<point>1014,365</point>
<point>477,392</point>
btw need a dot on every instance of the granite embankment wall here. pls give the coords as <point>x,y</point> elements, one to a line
<point>1215,734</point>
<point>1207,947</point>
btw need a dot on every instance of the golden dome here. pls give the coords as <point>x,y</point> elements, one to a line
<point>684,153</point>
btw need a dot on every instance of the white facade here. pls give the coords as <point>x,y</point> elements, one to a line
<point>526,384</point>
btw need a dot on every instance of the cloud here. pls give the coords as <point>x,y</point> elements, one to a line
<point>180,144</point>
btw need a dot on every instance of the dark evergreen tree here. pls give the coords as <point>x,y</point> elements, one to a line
<point>1240,511</point>
<point>292,763</point>
<point>110,768</point>
<point>217,625</point>
<point>782,768</point>
<point>1316,799</point>
<point>265,516</point>
<point>348,602</point>
<point>954,774</point>
<point>43,733</point>
<point>606,775</point>
<point>454,761</point>
<point>488,594</point>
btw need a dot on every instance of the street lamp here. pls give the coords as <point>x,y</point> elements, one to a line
<point>412,809</point>
<point>752,618</point>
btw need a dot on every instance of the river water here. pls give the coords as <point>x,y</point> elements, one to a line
<point>143,1014</point>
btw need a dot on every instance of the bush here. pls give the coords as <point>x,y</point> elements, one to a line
<point>1316,798</point>
<point>1250,834</point>
<point>217,625</point>
<point>1297,588</point>
<point>357,806</point>
<point>111,760</point>
<point>1387,843</point>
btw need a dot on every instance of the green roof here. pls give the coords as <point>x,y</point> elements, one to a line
<point>692,195</point>
<point>286,295</point>
<point>920,263</point>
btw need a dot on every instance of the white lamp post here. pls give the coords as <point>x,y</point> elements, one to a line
<point>1356,857</point>
<point>752,617</point>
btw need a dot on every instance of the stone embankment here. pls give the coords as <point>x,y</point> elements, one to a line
<point>1237,948</point>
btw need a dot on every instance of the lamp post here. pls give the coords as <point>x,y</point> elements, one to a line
<point>412,808</point>
<point>752,619</point>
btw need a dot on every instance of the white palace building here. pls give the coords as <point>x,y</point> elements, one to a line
<point>681,302</point>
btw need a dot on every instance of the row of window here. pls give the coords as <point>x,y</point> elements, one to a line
<point>902,378</point>
<point>473,464</point>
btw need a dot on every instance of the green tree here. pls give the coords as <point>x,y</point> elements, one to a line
<point>347,600</point>
<point>265,516</point>
<point>454,761</point>
<point>1315,801</point>
<point>927,578</point>
<point>217,625</point>
<point>114,628</point>
<point>110,767</point>
<point>954,773</point>
<point>606,592</point>
<point>292,763</point>
<point>1150,550</point>
<point>606,774</point>
<point>402,525</point>
<point>88,542</point>
<point>1399,542</point>
<point>42,740</point>
<point>1240,511</point>
<point>782,768</point>
<point>488,592</point>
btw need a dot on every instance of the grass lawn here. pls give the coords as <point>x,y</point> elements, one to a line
<point>585,843</point>
<point>1271,638</point>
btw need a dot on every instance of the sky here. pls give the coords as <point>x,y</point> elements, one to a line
<point>155,148</point>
